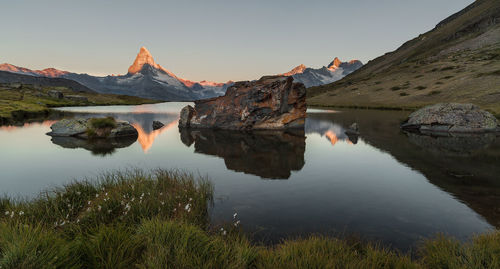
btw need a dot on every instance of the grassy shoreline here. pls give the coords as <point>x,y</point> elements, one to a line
<point>159,219</point>
<point>19,102</point>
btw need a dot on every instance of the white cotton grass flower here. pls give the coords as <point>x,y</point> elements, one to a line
<point>21,213</point>
<point>78,193</point>
<point>234,215</point>
<point>188,207</point>
<point>7,213</point>
<point>237,223</point>
<point>12,214</point>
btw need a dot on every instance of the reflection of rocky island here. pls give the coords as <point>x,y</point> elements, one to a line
<point>268,154</point>
<point>100,147</point>
<point>473,180</point>
<point>453,145</point>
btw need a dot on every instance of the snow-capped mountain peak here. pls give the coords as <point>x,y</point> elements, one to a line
<point>318,76</point>
<point>142,58</point>
<point>334,64</point>
<point>296,70</point>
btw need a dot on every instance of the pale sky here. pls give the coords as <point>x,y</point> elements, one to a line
<point>210,39</point>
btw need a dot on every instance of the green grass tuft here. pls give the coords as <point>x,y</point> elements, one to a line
<point>159,219</point>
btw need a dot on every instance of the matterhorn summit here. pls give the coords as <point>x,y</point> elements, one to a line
<point>143,57</point>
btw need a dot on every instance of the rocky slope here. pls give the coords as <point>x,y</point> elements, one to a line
<point>327,74</point>
<point>145,78</point>
<point>457,61</point>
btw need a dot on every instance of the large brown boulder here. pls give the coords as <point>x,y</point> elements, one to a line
<point>272,102</point>
<point>451,118</point>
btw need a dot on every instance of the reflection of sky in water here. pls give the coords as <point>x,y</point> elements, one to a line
<point>342,189</point>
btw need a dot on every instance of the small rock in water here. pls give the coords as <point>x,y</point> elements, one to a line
<point>157,125</point>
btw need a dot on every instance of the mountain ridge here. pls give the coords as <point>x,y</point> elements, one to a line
<point>318,76</point>
<point>144,78</point>
<point>456,61</point>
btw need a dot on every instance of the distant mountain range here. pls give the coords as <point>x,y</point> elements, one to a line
<point>145,78</point>
<point>336,70</point>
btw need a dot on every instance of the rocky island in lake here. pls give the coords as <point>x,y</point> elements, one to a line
<point>272,102</point>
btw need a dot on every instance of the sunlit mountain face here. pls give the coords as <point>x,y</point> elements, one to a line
<point>336,70</point>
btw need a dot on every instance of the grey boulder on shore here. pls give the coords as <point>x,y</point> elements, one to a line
<point>79,127</point>
<point>451,118</point>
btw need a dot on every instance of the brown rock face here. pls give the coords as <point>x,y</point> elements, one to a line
<point>272,102</point>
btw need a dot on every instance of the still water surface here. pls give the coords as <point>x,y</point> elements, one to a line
<point>384,185</point>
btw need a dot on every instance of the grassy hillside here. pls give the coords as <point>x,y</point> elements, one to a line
<point>160,220</point>
<point>457,61</point>
<point>22,101</point>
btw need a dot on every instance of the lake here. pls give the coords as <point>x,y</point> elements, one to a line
<point>385,185</point>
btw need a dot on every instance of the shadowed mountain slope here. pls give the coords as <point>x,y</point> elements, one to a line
<point>457,61</point>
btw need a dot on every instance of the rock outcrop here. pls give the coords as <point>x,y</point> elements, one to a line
<point>86,128</point>
<point>55,94</point>
<point>272,102</point>
<point>451,118</point>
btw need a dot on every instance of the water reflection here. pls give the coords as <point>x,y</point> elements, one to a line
<point>146,139</point>
<point>463,145</point>
<point>98,147</point>
<point>386,185</point>
<point>332,131</point>
<point>141,118</point>
<point>268,154</point>
<point>466,166</point>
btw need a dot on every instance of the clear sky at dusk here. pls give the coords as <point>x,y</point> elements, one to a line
<point>210,40</point>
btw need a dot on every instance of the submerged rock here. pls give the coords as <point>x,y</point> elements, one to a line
<point>86,128</point>
<point>352,130</point>
<point>451,118</point>
<point>272,102</point>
